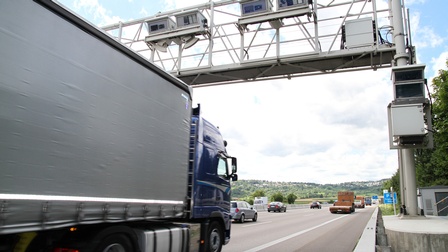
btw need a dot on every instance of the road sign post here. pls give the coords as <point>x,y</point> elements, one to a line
<point>391,198</point>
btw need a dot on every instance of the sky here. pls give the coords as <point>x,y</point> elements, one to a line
<point>318,129</point>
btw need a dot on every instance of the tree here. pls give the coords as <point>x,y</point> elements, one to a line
<point>277,197</point>
<point>393,182</point>
<point>249,200</point>
<point>291,198</point>
<point>259,193</point>
<point>431,163</point>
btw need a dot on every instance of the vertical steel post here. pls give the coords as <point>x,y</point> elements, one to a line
<point>212,30</point>
<point>407,155</point>
<point>401,172</point>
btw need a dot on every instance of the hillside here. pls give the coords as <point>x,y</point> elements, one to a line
<point>245,188</point>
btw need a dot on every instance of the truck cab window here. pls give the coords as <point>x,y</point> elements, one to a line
<point>222,167</point>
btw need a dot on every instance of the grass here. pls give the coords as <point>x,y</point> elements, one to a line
<point>388,209</point>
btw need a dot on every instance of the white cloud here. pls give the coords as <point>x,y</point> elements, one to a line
<point>424,36</point>
<point>413,2</point>
<point>143,12</point>
<point>96,10</point>
<point>440,62</point>
<point>176,4</point>
<point>322,129</point>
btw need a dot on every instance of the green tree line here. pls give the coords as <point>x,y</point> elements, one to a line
<point>289,192</point>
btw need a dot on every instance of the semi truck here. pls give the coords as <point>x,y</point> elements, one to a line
<point>345,203</point>
<point>368,200</point>
<point>263,201</point>
<point>359,201</point>
<point>100,150</point>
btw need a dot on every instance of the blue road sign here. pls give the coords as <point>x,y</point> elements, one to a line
<point>388,198</point>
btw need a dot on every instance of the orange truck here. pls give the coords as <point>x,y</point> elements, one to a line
<point>344,204</point>
<point>359,202</point>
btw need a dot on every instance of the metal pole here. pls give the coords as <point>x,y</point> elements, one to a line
<point>407,155</point>
<point>410,182</point>
<point>212,30</point>
<point>402,185</point>
<point>316,29</point>
<point>393,199</point>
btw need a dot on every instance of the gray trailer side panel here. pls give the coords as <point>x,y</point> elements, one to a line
<point>87,127</point>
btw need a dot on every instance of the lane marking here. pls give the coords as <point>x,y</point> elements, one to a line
<point>256,224</point>
<point>272,243</point>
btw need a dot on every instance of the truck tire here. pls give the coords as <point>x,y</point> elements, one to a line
<point>115,243</point>
<point>215,237</point>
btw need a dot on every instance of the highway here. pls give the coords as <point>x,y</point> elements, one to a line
<point>299,230</point>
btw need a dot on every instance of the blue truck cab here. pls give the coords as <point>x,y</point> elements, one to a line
<point>212,171</point>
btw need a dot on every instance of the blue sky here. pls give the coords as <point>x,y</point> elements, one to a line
<point>322,129</point>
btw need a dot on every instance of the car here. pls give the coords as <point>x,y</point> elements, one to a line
<point>241,211</point>
<point>315,204</point>
<point>276,206</point>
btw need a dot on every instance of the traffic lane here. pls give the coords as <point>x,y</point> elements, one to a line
<point>295,230</point>
<point>341,235</point>
<point>274,226</point>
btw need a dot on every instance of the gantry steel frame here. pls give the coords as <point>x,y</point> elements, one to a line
<point>310,43</point>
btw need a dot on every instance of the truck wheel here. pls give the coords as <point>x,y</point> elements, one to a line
<point>115,243</point>
<point>215,237</point>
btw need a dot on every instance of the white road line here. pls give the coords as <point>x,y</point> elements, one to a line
<point>272,243</point>
<point>256,224</point>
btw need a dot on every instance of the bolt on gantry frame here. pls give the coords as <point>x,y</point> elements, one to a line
<point>326,36</point>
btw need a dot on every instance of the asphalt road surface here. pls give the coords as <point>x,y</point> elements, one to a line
<point>300,230</point>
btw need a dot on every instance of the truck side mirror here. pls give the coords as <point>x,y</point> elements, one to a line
<point>233,174</point>
<point>234,167</point>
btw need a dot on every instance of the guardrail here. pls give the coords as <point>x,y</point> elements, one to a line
<point>367,242</point>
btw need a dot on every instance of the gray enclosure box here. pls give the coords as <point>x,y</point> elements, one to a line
<point>359,33</point>
<point>408,120</point>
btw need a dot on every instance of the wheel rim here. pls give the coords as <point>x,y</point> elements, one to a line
<point>116,247</point>
<point>215,240</point>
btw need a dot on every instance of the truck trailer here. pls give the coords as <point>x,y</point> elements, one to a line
<point>345,203</point>
<point>359,201</point>
<point>100,150</point>
<point>368,201</point>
